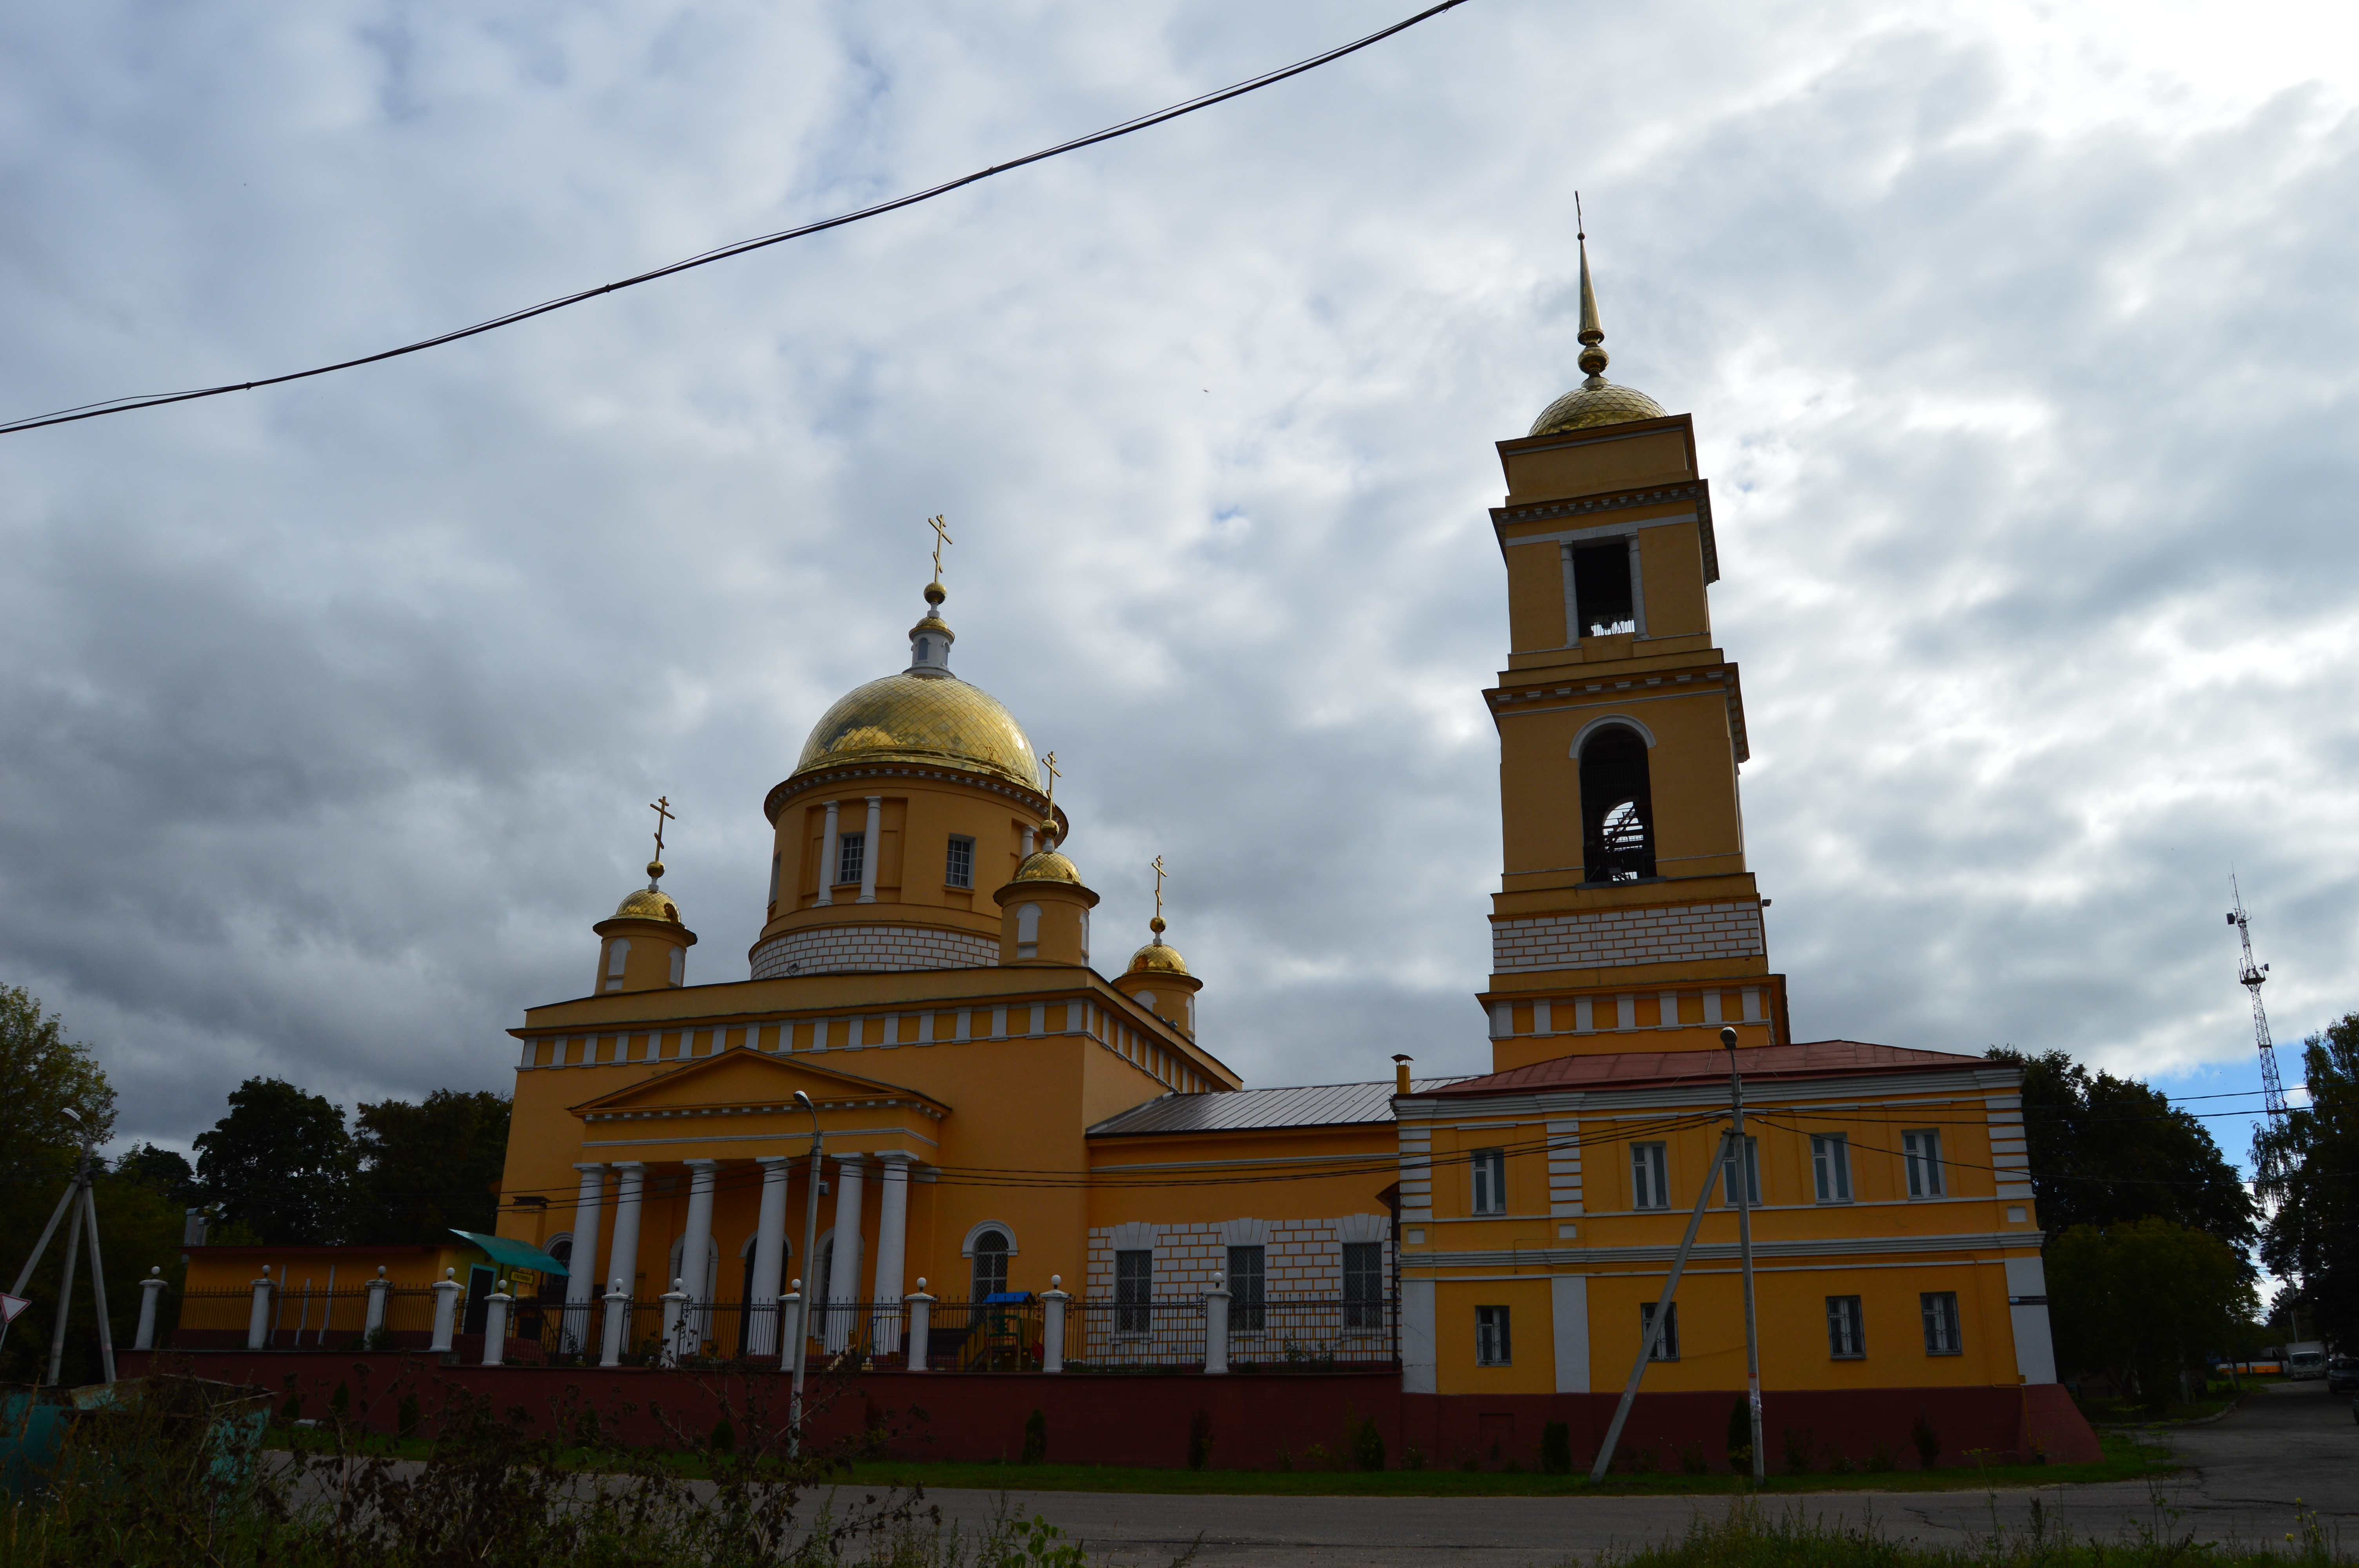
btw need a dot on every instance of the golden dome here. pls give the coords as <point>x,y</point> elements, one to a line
<point>1047,866</point>
<point>1158,957</point>
<point>937,719</point>
<point>1595,402</point>
<point>648,903</point>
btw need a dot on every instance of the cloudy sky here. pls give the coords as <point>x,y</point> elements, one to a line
<point>2019,338</point>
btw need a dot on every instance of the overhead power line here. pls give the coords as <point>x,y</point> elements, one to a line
<point>723,253</point>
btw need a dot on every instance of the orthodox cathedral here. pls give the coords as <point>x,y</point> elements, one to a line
<point>1011,1100</point>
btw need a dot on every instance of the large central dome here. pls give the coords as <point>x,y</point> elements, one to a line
<point>938,720</point>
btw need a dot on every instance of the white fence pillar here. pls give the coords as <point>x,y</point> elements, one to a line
<point>496,1325</point>
<point>921,1327</point>
<point>150,1289</point>
<point>1216,1328</point>
<point>258,1321</point>
<point>372,1315</point>
<point>675,1323</point>
<point>794,1331</point>
<point>1052,1324</point>
<point>447,1293</point>
<point>618,1323</point>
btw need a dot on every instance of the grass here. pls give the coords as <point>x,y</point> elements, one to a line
<point>2216,1397</point>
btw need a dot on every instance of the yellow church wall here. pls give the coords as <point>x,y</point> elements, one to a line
<point>1319,1173</point>
<point>1671,572</point>
<point>1585,462</point>
<point>1537,614</point>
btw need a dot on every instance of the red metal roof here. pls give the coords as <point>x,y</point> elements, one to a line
<point>1626,1069</point>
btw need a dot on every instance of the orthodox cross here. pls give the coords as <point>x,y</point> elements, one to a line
<point>941,536</point>
<point>1049,762</point>
<point>661,807</point>
<point>1159,887</point>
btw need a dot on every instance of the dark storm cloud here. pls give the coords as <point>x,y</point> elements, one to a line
<point>2019,358</point>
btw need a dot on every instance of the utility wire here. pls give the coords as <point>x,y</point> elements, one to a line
<point>723,253</point>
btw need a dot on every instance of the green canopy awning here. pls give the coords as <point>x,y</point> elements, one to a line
<point>515,1254</point>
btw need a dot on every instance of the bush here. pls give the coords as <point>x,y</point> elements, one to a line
<point>1199,1439</point>
<point>1928,1444</point>
<point>725,1437</point>
<point>405,1416</point>
<point>1880,1461</point>
<point>1798,1452</point>
<point>1740,1436</point>
<point>1412,1456</point>
<point>1368,1444</point>
<point>1556,1449</point>
<point>1036,1437</point>
<point>1692,1462</point>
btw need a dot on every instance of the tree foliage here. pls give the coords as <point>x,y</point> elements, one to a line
<point>280,1164</point>
<point>2105,1150</point>
<point>429,1168</point>
<point>2143,1299</point>
<point>2313,1238</point>
<point>43,1074</point>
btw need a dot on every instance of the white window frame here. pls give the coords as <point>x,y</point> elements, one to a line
<point>1134,1297</point>
<point>1944,1333</point>
<point>1487,1181</point>
<point>954,874</point>
<point>1830,1166</point>
<point>1363,1308</point>
<point>1494,1338</point>
<point>1920,1153</point>
<point>850,858</point>
<point>1752,1176</point>
<point>1650,1168</point>
<point>1248,1282</point>
<point>1846,1329</point>
<point>1668,1349</point>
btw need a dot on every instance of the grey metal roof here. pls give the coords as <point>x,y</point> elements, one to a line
<point>1240,1110</point>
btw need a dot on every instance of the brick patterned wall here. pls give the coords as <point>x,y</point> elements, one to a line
<point>849,949</point>
<point>1612,939</point>
<point>1300,1258</point>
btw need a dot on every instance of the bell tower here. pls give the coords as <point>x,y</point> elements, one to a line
<point>1627,919</point>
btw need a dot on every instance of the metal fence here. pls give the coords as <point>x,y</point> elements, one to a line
<point>1121,1336</point>
<point>1305,1332</point>
<point>299,1318</point>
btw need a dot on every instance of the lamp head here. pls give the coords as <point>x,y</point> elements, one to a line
<point>1728,1038</point>
<point>804,1100</point>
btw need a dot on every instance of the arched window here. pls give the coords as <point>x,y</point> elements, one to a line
<point>617,952</point>
<point>1617,811</point>
<point>678,964</point>
<point>1027,931</point>
<point>990,1264</point>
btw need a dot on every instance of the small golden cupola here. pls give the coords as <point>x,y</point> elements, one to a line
<point>1595,401</point>
<point>1044,909</point>
<point>643,945</point>
<point>1157,979</point>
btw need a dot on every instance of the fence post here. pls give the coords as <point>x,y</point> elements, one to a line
<point>257,1322</point>
<point>1216,1328</point>
<point>1052,1324</point>
<point>149,1289</point>
<point>919,1349</point>
<point>675,1318</point>
<point>372,1317</point>
<point>447,1292</point>
<point>793,1337</point>
<point>496,1325</point>
<point>618,1323</point>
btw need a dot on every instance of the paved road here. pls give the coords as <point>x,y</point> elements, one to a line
<point>2290,1441</point>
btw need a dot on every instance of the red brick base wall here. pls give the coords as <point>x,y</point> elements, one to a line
<point>1255,1419</point>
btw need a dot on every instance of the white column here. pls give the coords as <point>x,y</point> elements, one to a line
<point>581,1268</point>
<point>149,1289</point>
<point>618,1323</point>
<point>769,1254</point>
<point>623,1256</point>
<point>258,1321</point>
<point>892,1249</point>
<point>697,1245</point>
<point>1568,1323</point>
<point>496,1325</point>
<point>1027,842</point>
<point>373,1317</point>
<point>869,847</point>
<point>1052,1324</point>
<point>843,1264</point>
<point>827,856</point>
<point>921,1326</point>
<point>1216,1328</point>
<point>447,1292</point>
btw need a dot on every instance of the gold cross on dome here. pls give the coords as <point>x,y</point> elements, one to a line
<point>1049,762</point>
<point>661,807</point>
<point>941,536</point>
<point>1159,887</point>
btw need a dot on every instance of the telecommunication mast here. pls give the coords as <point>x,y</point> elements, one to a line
<point>2252,976</point>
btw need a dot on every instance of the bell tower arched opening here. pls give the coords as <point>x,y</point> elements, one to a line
<point>1617,808</point>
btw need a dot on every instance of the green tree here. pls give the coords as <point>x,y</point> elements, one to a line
<point>174,1179</point>
<point>43,1074</point>
<point>279,1163</point>
<point>2143,1301</point>
<point>2105,1150</point>
<point>429,1168</point>
<point>2313,1238</point>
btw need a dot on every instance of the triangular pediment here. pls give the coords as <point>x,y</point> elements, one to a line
<point>740,1079</point>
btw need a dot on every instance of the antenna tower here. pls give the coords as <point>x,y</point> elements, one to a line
<point>2252,976</point>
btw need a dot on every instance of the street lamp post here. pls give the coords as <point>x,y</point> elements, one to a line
<point>811,1279</point>
<point>1741,1178</point>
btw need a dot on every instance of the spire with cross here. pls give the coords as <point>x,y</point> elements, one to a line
<point>1049,816</point>
<point>1156,925</point>
<point>941,536</point>
<point>661,807</point>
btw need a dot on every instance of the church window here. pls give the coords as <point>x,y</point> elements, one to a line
<point>1134,1289</point>
<point>1941,1313</point>
<point>1831,1161</point>
<point>1845,1341</point>
<point>679,972</point>
<point>1490,1173</point>
<point>1921,1153</point>
<point>1364,1284</point>
<point>850,856</point>
<point>1492,1348</point>
<point>618,952</point>
<point>1245,1282</point>
<point>1752,1176</point>
<point>959,869</point>
<point>925,649</point>
<point>1617,810</point>
<point>1650,1186</point>
<point>1602,602</point>
<point>1085,937</point>
<point>1027,931</point>
<point>1666,1349</point>
<point>990,1264</point>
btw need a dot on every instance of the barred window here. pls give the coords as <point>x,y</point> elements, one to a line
<point>990,1264</point>
<point>1490,1181</point>
<point>1650,1184</point>
<point>1941,1313</point>
<point>958,871</point>
<point>851,857</point>
<point>1245,1290</point>
<point>1752,1176</point>
<point>1668,1347</point>
<point>1134,1289</point>
<point>1491,1345</point>
<point>1831,1162</point>
<point>1921,1153</point>
<point>1845,1342</point>
<point>1364,1284</point>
